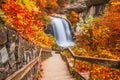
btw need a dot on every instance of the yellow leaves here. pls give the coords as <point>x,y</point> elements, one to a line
<point>36,9</point>
<point>43,39</point>
<point>25,1</point>
<point>19,16</point>
<point>29,4</point>
<point>18,1</point>
<point>116,3</point>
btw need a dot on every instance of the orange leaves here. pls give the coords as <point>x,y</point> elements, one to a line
<point>74,14</point>
<point>73,17</point>
<point>105,30</point>
<point>111,19</point>
<point>49,4</point>
<point>100,39</point>
<point>43,3</point>
<point>52,4</point>
<point>5,7</point>
<point>25,17</point>
<point>112,16</point>
<point>97,72</point>
<point>82,66</point>
<point>115,3</point>
<point>18,23</point>
<point>103,73</point>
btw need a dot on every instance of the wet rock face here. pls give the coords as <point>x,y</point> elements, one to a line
<point>3,35</point>
<point>82,5</point>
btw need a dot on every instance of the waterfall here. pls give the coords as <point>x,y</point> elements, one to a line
<point>62,32</point>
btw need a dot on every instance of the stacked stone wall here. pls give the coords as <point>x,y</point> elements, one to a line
<point>15,52</point>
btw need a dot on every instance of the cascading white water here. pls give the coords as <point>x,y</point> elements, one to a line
<point>62,32</point>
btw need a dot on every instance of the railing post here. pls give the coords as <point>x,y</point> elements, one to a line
<point>74,62</point>
<point>91,68</point>
<point>39,60</point>
<point>38,66</point>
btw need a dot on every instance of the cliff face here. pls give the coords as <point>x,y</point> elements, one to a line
<point>82,5</point>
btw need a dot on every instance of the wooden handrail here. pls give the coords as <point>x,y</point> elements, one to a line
<point>26,68</point>
<point>112,63</point>
<point>18,75</point>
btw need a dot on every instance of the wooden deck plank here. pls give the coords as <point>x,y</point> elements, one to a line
<point>55,68</point>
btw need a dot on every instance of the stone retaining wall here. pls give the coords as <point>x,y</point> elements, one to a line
<point>15,51</point>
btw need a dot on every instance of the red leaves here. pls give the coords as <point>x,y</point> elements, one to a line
<point>18,23</point>
<point>29,29</point>
<point>39,23</point>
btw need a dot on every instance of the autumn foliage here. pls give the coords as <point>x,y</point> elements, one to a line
<point>73,17</point>
<point>29,18</point>
<point>100,39</point>
<point>102,35</point>
<point>111,19</point>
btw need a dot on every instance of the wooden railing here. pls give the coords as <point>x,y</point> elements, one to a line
<point>32,67</point>
<point>111,63</point>
<point>101,61</point>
